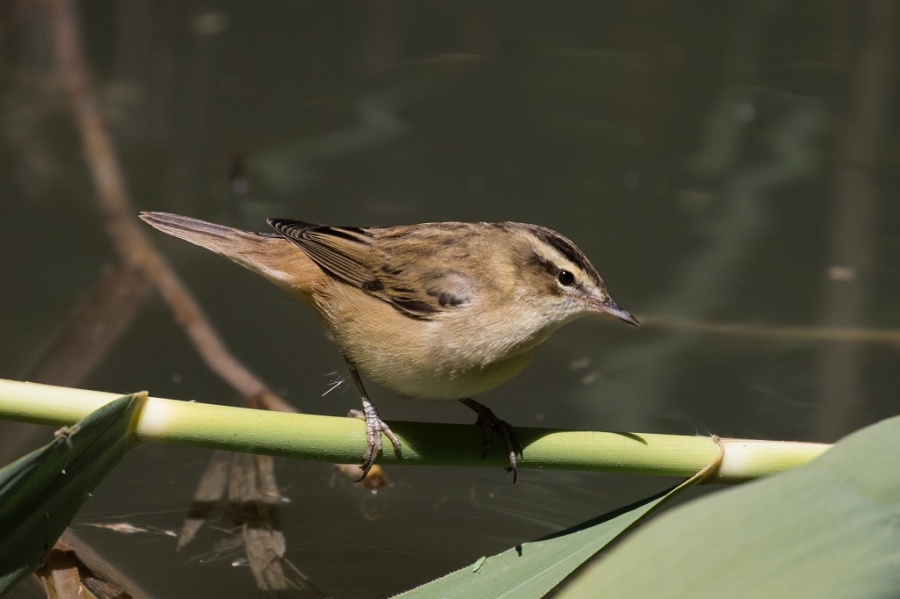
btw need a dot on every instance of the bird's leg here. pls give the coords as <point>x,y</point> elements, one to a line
<point>488,422</point>
<point>374,425</point>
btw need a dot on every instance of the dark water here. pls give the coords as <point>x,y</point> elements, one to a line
<point>727,165</point>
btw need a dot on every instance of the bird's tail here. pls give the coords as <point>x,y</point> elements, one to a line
<point>271,256</point>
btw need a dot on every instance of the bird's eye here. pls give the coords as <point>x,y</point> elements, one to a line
<point>565,278</point>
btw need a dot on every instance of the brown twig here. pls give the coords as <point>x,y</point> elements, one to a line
<point>72,567</point>
<point>130,240</point>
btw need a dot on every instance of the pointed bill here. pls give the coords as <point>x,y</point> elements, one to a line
<point>612,308</point>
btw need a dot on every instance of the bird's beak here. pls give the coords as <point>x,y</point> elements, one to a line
<point>612,308</point>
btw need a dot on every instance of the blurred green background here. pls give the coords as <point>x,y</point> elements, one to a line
<point>720,163</point>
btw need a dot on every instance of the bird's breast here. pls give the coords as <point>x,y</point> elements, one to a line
<point>454,355</point>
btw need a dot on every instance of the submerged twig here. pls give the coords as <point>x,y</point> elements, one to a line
<point>790,333</point>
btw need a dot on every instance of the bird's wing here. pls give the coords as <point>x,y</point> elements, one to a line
<point>386,271</point>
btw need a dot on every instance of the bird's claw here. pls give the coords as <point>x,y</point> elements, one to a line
<point>375,426</point>
<point>489,423</point>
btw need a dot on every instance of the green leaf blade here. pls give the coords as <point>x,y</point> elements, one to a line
<point>41,492</point>
<point>535,568</point>
<point>828,529</point>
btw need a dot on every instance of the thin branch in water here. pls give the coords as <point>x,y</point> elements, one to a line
<point>774,332</point>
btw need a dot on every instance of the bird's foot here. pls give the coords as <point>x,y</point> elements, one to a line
<point>489,423</point>
<point>375,426</point>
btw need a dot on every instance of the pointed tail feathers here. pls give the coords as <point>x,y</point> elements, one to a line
<point>271,256</point>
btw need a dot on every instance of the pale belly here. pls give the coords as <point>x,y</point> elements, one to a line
<point>444,385</point>
<point>444,358</point>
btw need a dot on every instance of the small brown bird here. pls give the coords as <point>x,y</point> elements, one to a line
<point>435,311</point>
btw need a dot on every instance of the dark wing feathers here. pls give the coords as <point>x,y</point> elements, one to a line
<point>330,257</point>
<point>383,270</point>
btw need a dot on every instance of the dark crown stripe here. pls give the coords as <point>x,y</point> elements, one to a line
<point>569,250</point>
